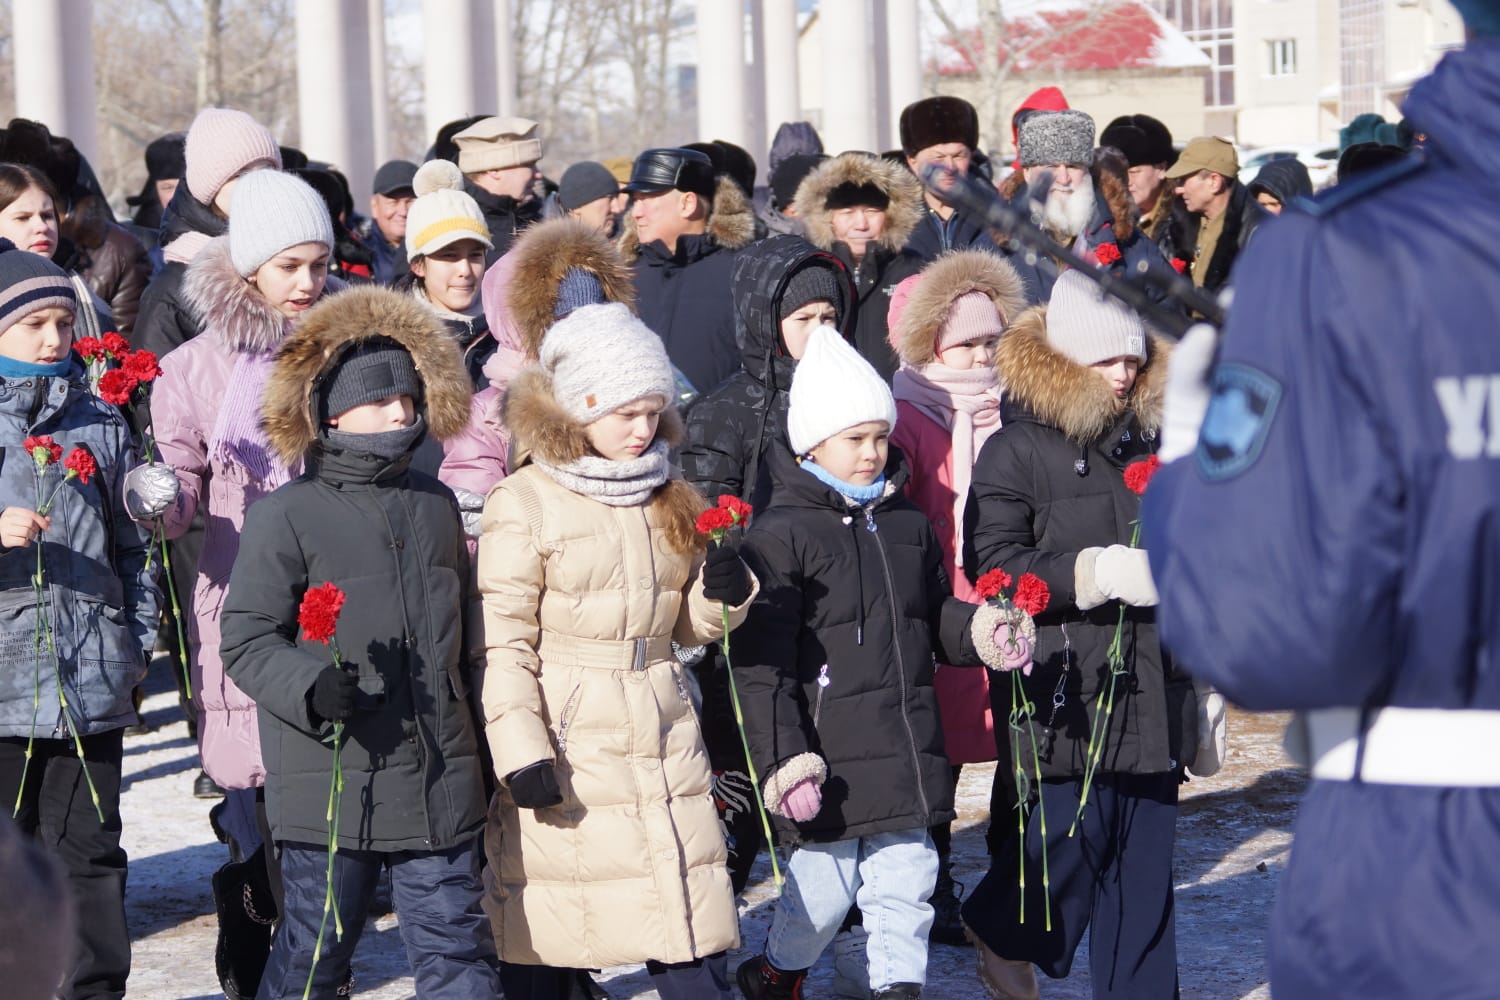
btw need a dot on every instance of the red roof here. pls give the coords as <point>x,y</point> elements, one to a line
<point>1080,38</point>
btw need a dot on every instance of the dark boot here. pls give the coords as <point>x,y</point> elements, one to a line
<point>898,991</point>
<point>758,979</point>
<point>205,787</point>
<point>947,898</point>
<point>246,909</point>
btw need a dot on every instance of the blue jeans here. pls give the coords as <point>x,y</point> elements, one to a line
<point>890,876</point>
<point>437,896</point>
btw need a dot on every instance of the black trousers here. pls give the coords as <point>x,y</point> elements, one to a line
<point>56,810</point>
<point>704,979</point>
<point>1112,879</point>
<point>734,793</point>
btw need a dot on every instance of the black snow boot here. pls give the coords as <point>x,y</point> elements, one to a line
<point>947,899</point>
<point>758,979</point>
<point>247,911</point>
<point>898,991</point>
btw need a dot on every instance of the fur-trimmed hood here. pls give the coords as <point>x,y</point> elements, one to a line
<point>228,308</point>
<point>331,328</point>
<point>539,260</point>
<point>731,221</point>
<point>859,169</point>
<point>944,280</point>
<point>1059,392</point>
<point>540,427</point>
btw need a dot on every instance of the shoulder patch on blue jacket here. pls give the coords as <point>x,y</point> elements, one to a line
<point>1241,407</point>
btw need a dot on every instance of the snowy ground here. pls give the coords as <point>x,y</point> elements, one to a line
<point>1232,841</point>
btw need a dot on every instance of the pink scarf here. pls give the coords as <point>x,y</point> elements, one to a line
<point>967,403</point>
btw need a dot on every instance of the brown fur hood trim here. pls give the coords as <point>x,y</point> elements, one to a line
<point>540,426</point>
<point>859,169</point>
<point>342,321</point>
<point>1064,394</point>
<point>546,252</point>
<point>944,280</point>
<point>731,221</point>
<point>229,309</point>
<point>1111,181</point>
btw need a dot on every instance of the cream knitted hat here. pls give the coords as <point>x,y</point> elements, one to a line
<point>220,143</point>
<point>601,358</point>
<point>834,388</point>
<point>443,212</point>
<point>1089,328</point>
<point>273,211</point>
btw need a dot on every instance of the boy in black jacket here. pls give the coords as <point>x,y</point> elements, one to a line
<point>353,393</point>
<point>835,662</point>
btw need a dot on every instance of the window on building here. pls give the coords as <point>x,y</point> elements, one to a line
<point>1361,52</point>
<point>1209,24</point>
<point>1283,56</point>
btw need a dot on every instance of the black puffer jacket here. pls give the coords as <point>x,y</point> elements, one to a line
<point>505,217</point>
<point>730,430</point>
<point>835,660</point>
<point>1047,485</point>
<point>391,539</point>
<point>164,320</point>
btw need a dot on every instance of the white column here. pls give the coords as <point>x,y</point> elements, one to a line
<point>903,61</point>
<point>482,56</point>
<point>448,72</point>
<point>723,107</point>
<point>755,94</point>
<point>779,57</point>
<point>380,109</point>
<point>505,61</point>
<point>848,84</point>
<point>881,97</point>
<point>54,67</point>
<point>334,103</point>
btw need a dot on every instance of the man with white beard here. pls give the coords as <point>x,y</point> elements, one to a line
<point>1087,207</point>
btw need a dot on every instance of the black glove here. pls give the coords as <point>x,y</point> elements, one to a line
<point>534,786</point>
<point>725,578</point>
<point>332,695</point>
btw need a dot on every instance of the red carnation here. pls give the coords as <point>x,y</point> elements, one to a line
<point>116,386</point>
<point>713,521</point>
<point>319,613</point>
<point>1106,253</point>
<point>81,464</point>
<point>116,345</point>
<point>1032,595</point>
<point>1179,265</point>
<point>141,366</point>
<point>992,583</point>
<point>1138,474</point>
<point>89,348</point>
<point>738,509</point>
<point>43,450</point>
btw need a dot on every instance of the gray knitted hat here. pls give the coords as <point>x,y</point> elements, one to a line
<point>601,357</point>
<point>1087,327</point>
<point>579,287</point>
<point>1056,137</point>
<point>274,211</point>
<point>373,371</point>
<point>29,282</point>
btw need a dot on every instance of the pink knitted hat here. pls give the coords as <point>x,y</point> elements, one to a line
<point>221,143</point>
<point>972,316</point>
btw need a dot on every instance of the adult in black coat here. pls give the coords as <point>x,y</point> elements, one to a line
<point>862,209</point>
<point>683,265</point>
<point>1048,497</point>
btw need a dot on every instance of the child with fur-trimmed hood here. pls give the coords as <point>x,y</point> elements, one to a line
<point>368,374</point>
<point>1083,401</point>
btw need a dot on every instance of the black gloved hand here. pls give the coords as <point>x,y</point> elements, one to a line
<point>725,577</point>
<point>332,695</point>
<point>535,786</point>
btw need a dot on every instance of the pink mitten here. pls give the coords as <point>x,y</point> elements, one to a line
<point>802,802</point>
<point>1014,648</point>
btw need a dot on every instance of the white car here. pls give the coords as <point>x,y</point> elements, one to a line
<point>1321,162</point>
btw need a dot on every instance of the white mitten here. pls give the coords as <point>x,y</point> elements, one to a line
<point>1124,574</point>
<point>1187,392</point>
<point>1213,731</point>
<point>150,490</point>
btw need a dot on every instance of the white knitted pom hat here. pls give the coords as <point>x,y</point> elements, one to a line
<point>834,388</point>
<point>443,212</point>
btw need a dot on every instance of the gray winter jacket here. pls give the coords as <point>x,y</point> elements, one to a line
<point>103,602</point>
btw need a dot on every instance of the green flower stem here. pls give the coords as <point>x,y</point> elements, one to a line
<point>1023,708</point>
<point>335,800</point>
<point>739,721</point>
<point>36,679</point>
<point>160,533</point>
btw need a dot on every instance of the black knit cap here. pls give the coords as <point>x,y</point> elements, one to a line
<point>372,371</point>
<point>809,284</point>
<point>1143,140</point>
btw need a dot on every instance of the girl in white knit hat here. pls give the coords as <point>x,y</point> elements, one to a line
<point>603,840</point>
<point>835,668</point>
<point>446,244</point>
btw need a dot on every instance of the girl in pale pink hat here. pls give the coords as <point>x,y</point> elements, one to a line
<point>945,325</point>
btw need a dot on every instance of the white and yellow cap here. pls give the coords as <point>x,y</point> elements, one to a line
<point>443,212</point>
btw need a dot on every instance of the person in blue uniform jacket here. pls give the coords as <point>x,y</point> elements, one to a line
<point>1331,544</point>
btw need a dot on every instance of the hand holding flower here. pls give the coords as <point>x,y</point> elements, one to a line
<point>19,527</point>
<point>1015,649</point>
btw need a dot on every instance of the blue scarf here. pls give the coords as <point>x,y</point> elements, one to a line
<point>11,368</point>
<point>859,494</point>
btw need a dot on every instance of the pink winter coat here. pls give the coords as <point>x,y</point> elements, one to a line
<point>186,401</point>
<point>963,692</point>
